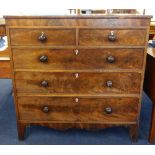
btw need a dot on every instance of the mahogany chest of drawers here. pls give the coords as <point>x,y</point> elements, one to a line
<point>78,71</point>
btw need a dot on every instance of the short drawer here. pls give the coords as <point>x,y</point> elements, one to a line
<point>73,109</point>
<point>51,37</point>
<point>77,83</point>
<point>78,58</point>
<point>112,37</point>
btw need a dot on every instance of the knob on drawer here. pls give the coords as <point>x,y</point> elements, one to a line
<point>108,110</point>
<point>45,109</point>
<point>111,36</point>
<point>44,83</point>
<point>109,83</point>
<point>110,59</point>
<point>43,58</point>
<point>42,37</point>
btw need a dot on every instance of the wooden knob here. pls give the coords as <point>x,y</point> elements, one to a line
<point>43,58</point>
<point>45,109</point>
<point>44,83</point>
<point>109,83</point>
<point>42,37</point>
<point>110,59</point>
<point>108,110</point>
<point>111,36</point>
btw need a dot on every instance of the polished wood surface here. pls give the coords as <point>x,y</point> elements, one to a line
<point>149,84</point>
<point>152,28</point>
<point>78,83</point>
<point>149,88</point>
<point>81,69</point>
<point>5,66</point>
<point>81,59</point>
<point>90,110</point>
<point>53,37</point>
<point>5,69</point>
<point>2,30</point>
<point>80,20</point>
<point>98,37</point>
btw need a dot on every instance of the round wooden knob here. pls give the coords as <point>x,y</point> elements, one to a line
<point>109,83</point>
<point>110,59</point>
<point>45,109</point>
<point>111,36</point>
<point>108,110</point>
<point>43,58</point>
<point>42,37</point>
<point>44,83</point>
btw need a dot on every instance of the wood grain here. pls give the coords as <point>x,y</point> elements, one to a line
<point>67,59</point>
<point>5,69</point>
<point>87,83</point>
<point>149,85</point>
<point>99,37</point>
<point>83,76</point>
<point>54,37</point>
<point>92,21</point>
<point>85,110</point>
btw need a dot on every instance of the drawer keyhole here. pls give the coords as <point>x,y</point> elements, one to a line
<point>76,75</point>
<point>111,36</point>
<point>76,100</point>
<point>76,52</point>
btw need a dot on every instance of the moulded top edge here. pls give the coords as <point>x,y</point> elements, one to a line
<point>75,16</point>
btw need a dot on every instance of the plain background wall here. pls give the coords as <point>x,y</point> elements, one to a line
<point>49,7</point>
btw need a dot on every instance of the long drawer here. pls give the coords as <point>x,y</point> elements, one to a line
<point>42,36</point>
<point>77,83</point>
<point>109,110</point>
<point>63,59</point>
<point>112,37</point>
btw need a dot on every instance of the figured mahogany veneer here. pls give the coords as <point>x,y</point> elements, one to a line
<point>78,83</point>
<point>62,59</point>
<point>52,36</point>
<point>78,71</point>
<point>72,109</point>
<point>99,37</point>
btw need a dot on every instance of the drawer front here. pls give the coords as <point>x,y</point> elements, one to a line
<point>78,59</point>
<point>74,109</point>
<point>42,37</point>
<point>77,83</point>
<point>101,37</point>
